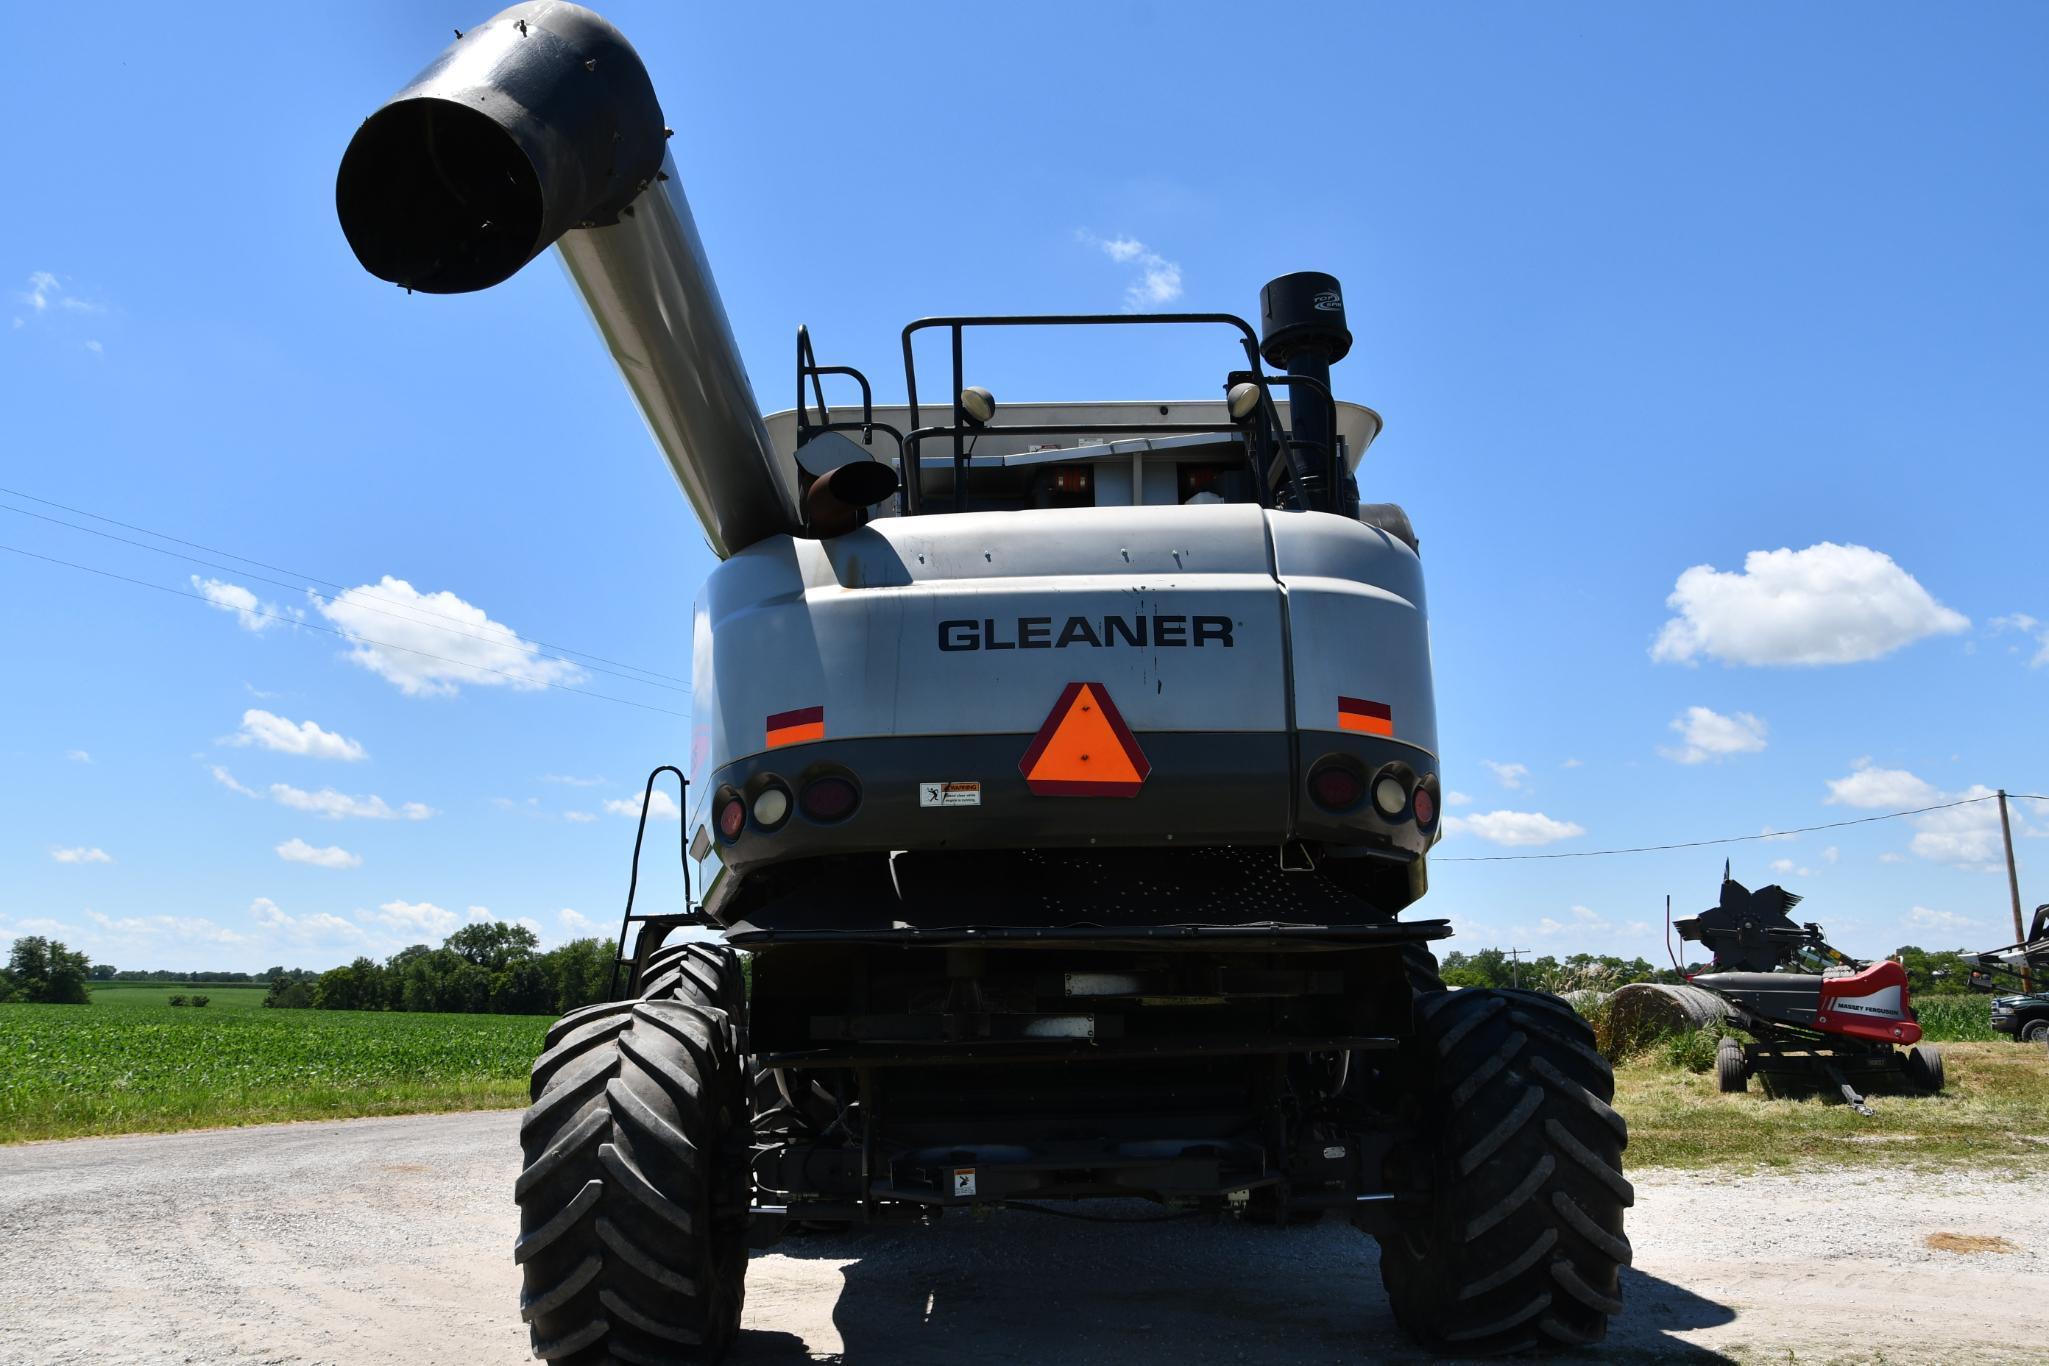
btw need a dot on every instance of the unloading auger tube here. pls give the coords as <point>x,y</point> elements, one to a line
<point>540,127</point>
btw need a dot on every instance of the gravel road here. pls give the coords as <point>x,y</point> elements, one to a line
<point>387,1240</point>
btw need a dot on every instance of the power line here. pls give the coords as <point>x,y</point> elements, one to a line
<point>345,635</point>
<point>1732,839</point>
<point>331,598</point>
<point>278,569</point>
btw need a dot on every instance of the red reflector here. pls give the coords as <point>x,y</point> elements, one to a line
<point>829,799</point>
<point>1426,806</point>
<point>1336,788</point>
<point>732,818</point>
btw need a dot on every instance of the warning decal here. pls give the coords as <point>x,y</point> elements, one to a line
<point>1084,749</point>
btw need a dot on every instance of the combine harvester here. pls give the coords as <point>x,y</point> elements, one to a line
<point>1064,771</point>
<point>1837,1019</point>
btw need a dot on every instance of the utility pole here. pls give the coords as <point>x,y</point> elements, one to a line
<point>1516,963</point>
<point>2013,885</point>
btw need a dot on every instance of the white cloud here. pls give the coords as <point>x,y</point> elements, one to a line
<point>332,805</point>
<point>93,345</point>
<point>1509,776</point>
<point>530,923</point>
<point>287,737</point>
<point>1785,867</point>
<point>1890,856</point>
<point>1941,920</point>
<point>1573,763</point>
<point>577,923</point>
<point>661,808</point>
<point>580,817</point>
<point>414,918</point>
<point>1827,604</point>
<point>1965,836</point>
<point>1831,854</point>
<point>480,913</point>
<point>1158,281</point>
<point>81,855</point>
<point>472,648</point>
<point>45,291</point>
<point>570,781</point>
<point>1873,789</point>
<point>1711,735</point>
<point>253,614</point>
<point>1584,919</point>
<point>333,856</point>
<point>1457,799</point>
<point>184,929</point>
<point>1514,828</point>
<point>320,927</point>
<point>227,780</point>
<point>78,756</point>
<point>2025,625</point>
<point>328,803</point>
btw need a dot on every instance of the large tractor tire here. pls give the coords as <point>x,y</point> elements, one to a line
<point>706,974</point>
<point>1517,1240</point>
<point>634,1195</point>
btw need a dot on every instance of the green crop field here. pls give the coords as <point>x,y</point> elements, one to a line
<point>221,996</point>
<point>113,1068</point>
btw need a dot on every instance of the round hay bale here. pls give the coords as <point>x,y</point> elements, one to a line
<point>1644,1012</point>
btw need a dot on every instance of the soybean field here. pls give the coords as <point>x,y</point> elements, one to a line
<point>67,1071</point>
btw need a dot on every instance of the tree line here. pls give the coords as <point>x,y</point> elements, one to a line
<point>42,971</point>
<point>492,968</point>
<point>1930,972</point>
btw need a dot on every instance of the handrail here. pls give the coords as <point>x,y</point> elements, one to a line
<point>633,878</point>
<point>961,427</point>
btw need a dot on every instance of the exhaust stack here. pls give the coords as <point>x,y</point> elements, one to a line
<point>1302,330</point>
<point>541,127</point>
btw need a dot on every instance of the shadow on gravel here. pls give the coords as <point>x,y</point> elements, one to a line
<point>1024,1289</point>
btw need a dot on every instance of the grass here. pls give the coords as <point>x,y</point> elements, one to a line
<point>67,1071</point>
<point>1989,1115</point>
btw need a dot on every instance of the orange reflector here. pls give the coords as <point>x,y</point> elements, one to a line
<point>1084,749</point>
<point>796,727</point>
<point>1374,718</point>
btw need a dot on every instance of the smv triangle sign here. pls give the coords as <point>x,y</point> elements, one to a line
<point>1084,749</point>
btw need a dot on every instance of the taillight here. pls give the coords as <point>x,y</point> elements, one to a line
<point>1426,806</point>
<point>829,798</point>
<point>1335,787</point>
<point>732,817</point>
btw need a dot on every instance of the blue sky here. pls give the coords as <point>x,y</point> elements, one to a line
<point>1636,291</point>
